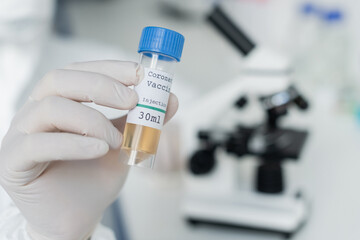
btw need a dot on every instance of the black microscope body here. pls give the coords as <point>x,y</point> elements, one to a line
<point>269,142</point>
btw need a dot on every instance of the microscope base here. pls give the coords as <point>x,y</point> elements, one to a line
<point>271,213</point>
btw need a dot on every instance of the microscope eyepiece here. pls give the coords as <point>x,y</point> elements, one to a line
<point>301,102</point>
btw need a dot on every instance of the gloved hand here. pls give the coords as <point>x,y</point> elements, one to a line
<point>59,161</point>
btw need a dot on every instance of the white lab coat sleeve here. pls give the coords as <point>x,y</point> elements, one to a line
<point>13,224</point>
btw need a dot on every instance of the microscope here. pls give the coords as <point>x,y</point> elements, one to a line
<point>241,176</point>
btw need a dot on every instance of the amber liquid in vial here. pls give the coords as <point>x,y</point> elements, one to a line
<point>140,142</point>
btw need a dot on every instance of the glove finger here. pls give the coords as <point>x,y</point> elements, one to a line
<point>43,147</point>
<point>173,105</point>
<point>119,123</point>
<point>60,114</point>
<point>128,73</point>
<point>86,87</point>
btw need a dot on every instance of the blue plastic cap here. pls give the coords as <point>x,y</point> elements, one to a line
<point>333,16</point>
<point>307,8</point>
<point>162,40</point>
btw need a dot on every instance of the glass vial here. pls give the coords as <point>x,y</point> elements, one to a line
<point>160,49</point>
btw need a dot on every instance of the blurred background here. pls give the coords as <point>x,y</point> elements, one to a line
<point>265,143</point>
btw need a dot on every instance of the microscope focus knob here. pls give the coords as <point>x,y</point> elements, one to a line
<point>204,135</point>
<point>241,102</point>
<point>202,162</point>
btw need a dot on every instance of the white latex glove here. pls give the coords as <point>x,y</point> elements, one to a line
<point>59,161</point>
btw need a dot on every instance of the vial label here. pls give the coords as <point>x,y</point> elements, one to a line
<point>153,92</point>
